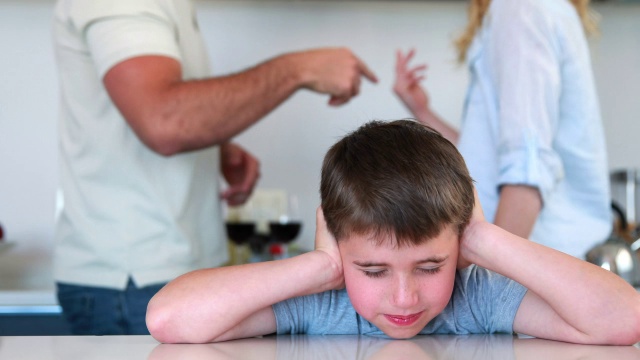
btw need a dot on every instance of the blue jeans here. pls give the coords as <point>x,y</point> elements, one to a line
<point>102,311</point>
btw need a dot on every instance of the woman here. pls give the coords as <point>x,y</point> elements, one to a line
<point>531,132</point>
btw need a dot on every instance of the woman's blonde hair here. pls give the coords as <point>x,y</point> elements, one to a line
<point>478,9</point>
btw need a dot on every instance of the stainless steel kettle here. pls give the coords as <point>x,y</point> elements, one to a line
<point>616,255</point>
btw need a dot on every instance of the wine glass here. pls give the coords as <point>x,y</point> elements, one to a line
<point>240,232</point>
<point>286,228</point>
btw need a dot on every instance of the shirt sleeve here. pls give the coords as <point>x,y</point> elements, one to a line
<point>525,70</point>
<point>483,302</point>
<point>290,314</point>
<point>327,313</point>
<point>116,31</point>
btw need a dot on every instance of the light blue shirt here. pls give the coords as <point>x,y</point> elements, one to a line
<point>482,302</point>
<point>532,118</point>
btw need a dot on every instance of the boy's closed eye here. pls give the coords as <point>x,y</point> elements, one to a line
<point>382,272</point>
<point>428,266</point>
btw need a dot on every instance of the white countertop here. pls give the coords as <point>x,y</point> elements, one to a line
<point>307,347</point>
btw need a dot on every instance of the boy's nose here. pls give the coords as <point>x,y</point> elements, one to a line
<point>405,294</point>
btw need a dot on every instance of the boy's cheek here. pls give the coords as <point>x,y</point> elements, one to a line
<point>358,285</point>
<point>363,297</point>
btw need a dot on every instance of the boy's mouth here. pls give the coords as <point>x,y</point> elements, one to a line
<point>403,320</point>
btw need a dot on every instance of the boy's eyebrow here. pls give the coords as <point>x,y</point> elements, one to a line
<point>431,259</point>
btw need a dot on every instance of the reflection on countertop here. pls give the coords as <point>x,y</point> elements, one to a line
<point>308,347</point>
<point>366,347</point>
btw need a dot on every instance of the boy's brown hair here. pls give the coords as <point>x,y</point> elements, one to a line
<point>395,178</point>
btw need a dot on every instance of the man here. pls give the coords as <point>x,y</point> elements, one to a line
<point>144,135</point>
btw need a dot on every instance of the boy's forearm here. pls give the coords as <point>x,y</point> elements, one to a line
<point>590,299</point>
<point>205,304</point>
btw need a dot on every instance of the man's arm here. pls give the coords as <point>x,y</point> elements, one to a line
<point>235,301</point>
<point>518,209</point>
<point>568,299</point>
<point>171,116</point>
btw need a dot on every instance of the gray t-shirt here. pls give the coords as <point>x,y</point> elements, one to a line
<point>482,302</point>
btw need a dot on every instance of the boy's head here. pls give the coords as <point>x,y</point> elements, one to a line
<point>396,196</point>
<point>397,178</point>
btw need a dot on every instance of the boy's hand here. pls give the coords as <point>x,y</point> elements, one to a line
<point>477,216</point>
<point>326,243</point>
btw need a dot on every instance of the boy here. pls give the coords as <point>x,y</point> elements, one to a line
<point>393,257</point>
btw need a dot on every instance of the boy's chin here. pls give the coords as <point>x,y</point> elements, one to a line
<point>401,335</point>
<point>396,333</point>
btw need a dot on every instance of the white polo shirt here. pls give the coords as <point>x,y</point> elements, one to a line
<point>127,211</point>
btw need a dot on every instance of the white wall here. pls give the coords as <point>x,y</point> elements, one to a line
<point>616,62</point>
<point>292,140</point>
<point>28,169</point>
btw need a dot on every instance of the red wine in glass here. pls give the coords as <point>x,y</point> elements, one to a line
<point>285,232</point>
<point>240,232</point>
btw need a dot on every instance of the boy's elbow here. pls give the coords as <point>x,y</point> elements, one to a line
<point>634,332</point>
<point>159,324</point>
<point>629,332</point>
<point>164,325</point>
<point>629,336</point>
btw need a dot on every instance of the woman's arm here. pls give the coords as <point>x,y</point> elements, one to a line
<point>414,97</point>
<point>235,301</point>
<point>518,209</point>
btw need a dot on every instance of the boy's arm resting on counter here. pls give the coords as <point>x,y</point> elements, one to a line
<point>235,301</point>
<point>568,299</point>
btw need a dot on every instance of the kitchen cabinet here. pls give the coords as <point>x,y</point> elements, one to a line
<point>25,312</point>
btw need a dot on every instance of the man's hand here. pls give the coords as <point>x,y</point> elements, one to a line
<point>333,71</point>
<point>241,171</point>
<point>325,242</point>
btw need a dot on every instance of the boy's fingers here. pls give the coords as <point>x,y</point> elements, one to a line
<point>477,207</point>
<point>321,224</point>
<point>324,238</point>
